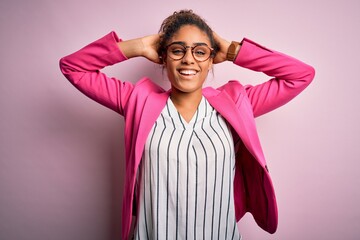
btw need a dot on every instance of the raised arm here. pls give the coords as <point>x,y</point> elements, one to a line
<point>289,76</point>
<point>82,68</point>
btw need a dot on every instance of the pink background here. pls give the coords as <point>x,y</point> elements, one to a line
<point>61,168</point>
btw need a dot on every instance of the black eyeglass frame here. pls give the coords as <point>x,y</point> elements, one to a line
<point>192,50</point>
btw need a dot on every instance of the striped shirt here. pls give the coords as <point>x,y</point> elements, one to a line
<point>186,178</point>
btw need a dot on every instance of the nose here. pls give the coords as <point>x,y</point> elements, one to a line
<point>188,57</point>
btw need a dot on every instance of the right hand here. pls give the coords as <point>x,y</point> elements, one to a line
<point>224,45</point>
<point>150,46</point>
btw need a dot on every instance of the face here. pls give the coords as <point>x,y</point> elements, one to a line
<point>188,75</point>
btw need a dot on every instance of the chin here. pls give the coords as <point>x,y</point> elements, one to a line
<point>186,89</point>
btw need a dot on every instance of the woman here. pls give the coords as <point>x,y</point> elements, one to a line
<point>194,164</point>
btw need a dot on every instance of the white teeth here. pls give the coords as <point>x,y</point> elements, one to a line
<point>188,72</point>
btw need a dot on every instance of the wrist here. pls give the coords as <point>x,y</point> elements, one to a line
<point>233,50</point>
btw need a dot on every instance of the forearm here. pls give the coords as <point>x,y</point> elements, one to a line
<point>82,69</point>
<point>281,66</point>
<point>95,56</point>
<point>289,76</point>
<point>141,47</point>
<point>131,48</point>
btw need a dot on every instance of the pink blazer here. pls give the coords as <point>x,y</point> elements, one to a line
<point>141,104</point>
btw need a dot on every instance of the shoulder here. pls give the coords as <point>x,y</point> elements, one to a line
<point>147,85</point>
<point>233,88</point>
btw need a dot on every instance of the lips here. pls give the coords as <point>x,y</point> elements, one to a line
<point>188,72</point>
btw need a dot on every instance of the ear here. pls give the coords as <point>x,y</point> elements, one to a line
<point>164,65</point>
<point>210,63</point>
<point>163,60</point>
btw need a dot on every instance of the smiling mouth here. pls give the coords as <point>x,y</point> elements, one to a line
<point>188,72</point>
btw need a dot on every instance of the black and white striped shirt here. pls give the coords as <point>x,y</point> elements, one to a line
<point>186,178</point>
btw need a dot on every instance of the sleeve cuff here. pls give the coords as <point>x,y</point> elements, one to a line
<point>115,39</point>
<point>247,50</point>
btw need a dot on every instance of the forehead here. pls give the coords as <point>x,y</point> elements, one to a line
<point>190,34</point>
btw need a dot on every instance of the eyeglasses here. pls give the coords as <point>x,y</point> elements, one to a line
<point>200,52</point>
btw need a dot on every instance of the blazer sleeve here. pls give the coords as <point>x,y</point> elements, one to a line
<point>82,69</point>
<point>289,76</point>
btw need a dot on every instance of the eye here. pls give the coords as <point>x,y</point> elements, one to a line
<point>201,51</point>
<point>177,51</point>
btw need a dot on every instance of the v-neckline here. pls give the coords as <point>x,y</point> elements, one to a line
<point>182,120</point>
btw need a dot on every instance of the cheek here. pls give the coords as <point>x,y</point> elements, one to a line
<point>207,67</point>
<point>168,66</point>
<point>210,64</point>
<point>169,72</point>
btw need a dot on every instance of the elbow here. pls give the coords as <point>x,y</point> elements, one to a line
<point>67,70</point>
<point>303,78</point>
<point>64,68</point>
<point>311,73</point>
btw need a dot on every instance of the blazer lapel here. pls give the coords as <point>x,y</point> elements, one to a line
<point>243,125</point>
<point>153,106</point>
<point>220,100</point>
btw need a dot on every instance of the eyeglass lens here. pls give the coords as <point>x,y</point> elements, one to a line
<point>178,51</point>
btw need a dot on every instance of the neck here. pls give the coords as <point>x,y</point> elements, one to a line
<point>186,100</point>
<point>186,103</point>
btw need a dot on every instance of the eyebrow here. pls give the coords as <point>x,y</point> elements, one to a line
<point>194,44</point>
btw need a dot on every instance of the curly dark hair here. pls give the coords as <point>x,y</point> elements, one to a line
<point>178,19</point>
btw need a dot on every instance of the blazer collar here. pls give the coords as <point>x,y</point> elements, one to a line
<point>242,125</point>
<point>223,104</point>
<point>220,100</point>
<point>154,104</point>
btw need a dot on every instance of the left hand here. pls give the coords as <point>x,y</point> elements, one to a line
<point>224,45</point>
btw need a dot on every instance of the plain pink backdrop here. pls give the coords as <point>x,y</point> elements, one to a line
<point>61,168</point>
